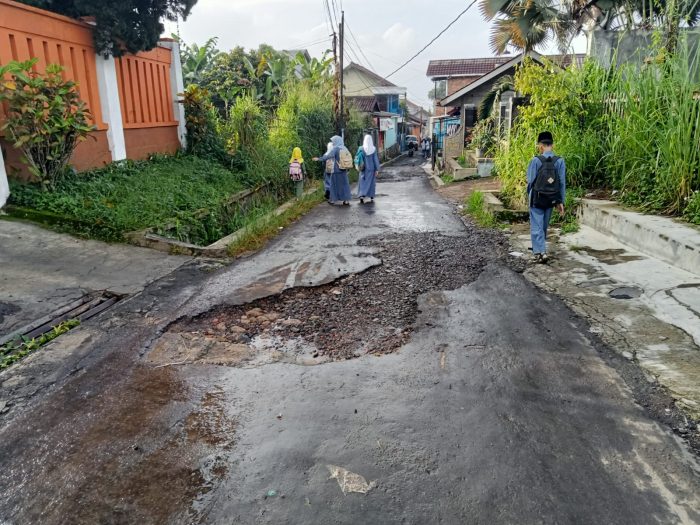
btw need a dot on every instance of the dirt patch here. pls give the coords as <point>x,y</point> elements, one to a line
<point>458,192</point>
<point>368,313</point>
<point>147,456</point>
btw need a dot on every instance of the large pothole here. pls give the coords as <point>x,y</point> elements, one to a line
<point>372,312</point>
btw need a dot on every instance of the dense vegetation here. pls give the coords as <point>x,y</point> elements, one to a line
<point>633,129</point>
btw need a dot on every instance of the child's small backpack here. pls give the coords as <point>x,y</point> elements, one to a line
<point>295,171</point>
<point>345,159</point>
<point>546,190</point>
<point>360,160</point>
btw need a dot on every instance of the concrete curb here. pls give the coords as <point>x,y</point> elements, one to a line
<point>663,238</point>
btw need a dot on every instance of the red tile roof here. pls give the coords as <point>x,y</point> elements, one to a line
<point>477,67</point>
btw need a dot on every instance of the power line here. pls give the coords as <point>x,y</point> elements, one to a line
<point>431,42</point>
<point>357,43</point>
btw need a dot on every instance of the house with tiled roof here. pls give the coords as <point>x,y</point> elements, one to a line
<point>371,93</point>
<point>464,83</point>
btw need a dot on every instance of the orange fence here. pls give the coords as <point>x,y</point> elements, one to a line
<point>27,32</point>
<point>144,89</point>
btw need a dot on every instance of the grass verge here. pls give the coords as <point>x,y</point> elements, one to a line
<point>476,208</point>
<point>260,229</point>
<point>447,179</point>
<point>187,191</point>
<point>12,352</point>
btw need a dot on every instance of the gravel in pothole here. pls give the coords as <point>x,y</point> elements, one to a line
<point>371,312</point>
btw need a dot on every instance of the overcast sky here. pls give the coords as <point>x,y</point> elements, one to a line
<point>388,32</point>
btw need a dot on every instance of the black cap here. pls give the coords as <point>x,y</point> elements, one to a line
<point>545,138</point>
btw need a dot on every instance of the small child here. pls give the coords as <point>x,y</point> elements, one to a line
<point>297,171</point>
<point>546,190</point>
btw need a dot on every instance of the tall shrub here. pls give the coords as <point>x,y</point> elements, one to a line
<point>305,119</point>
<point>653,132</point>
<point>569,104</point>
<point>46,118</point>
<point>202,124</point>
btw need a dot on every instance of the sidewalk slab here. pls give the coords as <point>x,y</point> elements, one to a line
<point>42,271</point>
<point>661,237</point>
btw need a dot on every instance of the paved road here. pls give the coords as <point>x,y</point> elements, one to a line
<point>499,409</point>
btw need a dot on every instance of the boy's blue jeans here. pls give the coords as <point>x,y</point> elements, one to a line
<point>539,221</point>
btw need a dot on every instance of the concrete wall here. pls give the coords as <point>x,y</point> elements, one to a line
<point>356,85</point>
<point>130,99</point>
<point>631,46</point>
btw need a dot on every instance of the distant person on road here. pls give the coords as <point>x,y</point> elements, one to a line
<point>426,147</point>
<point>367,164</point>
<point>546,190</point>
<point>297,172</point>
<point>342,162</point>
<point>327,172</point>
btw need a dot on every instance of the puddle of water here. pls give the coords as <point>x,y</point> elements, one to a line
<point>610,256</point>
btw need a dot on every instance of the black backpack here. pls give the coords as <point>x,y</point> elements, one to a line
<point>546,190</point>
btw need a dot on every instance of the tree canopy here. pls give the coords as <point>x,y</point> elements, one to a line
<point>126,25</point>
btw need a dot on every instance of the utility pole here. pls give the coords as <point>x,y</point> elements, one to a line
<point>336,91</point>
<point>341,120</point>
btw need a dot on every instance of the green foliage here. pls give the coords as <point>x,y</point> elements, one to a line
<point>12,352</point>
<point>183,191</point>
<point>202,123</point>
<point>246,128</point>
<point>46,118</point>
<point>196,60</point>
<point>634,129</point>
<point>653,132</point>
<point>692,210</point>
<point>305,119</point>
<point>131,25</point>
<point>485,136</point>
<point>476,208</point>
<point>569,222</point>
<point>356,125</point>
<point>567,103</point>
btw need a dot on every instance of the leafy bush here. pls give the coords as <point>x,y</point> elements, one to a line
<point>692,210</point>
<point>202,123</point>
<point>46,118</point>
<point>567,103</point>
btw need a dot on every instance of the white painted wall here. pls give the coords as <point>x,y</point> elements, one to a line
<point>177,85</point>
<point>4,186</point>
<point>111,108</point>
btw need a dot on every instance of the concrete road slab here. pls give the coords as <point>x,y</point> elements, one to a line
<point>41,271</point>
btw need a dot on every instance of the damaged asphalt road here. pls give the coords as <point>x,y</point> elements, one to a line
<point>492,406</point>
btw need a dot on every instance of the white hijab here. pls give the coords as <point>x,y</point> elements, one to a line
<point>368,145</point>
<point>329,148</point>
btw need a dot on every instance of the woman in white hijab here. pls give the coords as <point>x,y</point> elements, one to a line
<point>327,172</point>
<point>369,169</point>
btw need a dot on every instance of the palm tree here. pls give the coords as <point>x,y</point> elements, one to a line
<point>525,24</point>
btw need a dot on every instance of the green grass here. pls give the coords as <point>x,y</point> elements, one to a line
<point>10,353</point>
<point>476,208</point>
<point>447,179</point>
<point>263,227</point>
<point>466,162</point>
<point>182,194</point>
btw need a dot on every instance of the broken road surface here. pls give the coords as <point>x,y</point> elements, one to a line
<point>384,363</point>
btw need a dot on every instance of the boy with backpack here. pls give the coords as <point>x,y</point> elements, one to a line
<point>546,190</point>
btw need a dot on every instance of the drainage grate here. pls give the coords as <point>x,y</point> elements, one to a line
<point>82,309</point>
